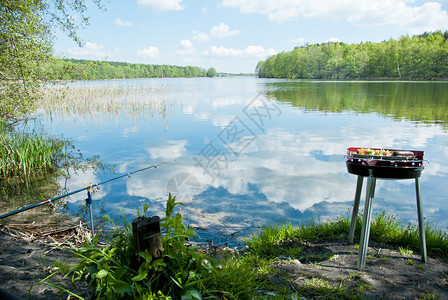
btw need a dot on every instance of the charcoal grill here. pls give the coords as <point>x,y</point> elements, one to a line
<point>399,164</point>
<point>402,164</point>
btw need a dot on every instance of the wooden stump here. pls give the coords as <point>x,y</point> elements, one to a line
<point>146,236</point>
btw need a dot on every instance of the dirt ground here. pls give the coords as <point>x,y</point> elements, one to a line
<point>388,274</point>
<point>26,260</point>
<point>30,251</point>
<point>24,264</point>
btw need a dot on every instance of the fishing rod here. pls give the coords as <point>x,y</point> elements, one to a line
<point>77,191</point>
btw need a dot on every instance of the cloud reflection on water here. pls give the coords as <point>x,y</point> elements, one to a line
<point>283,174</point>
<point>293,170</point>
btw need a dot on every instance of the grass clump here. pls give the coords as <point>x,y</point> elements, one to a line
<point>26,155</point>
<point>390,230</point>
<point>285,239</point>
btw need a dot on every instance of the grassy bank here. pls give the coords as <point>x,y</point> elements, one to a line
<point>187,272</point>
<point>272,241</point>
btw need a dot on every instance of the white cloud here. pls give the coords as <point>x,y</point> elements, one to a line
<point>258,51</point>
<point>186,44</point>
<point>90,49</point>
<point>276,10</point>
<point>160,5</point>
<point>127,131</point>
<point>410,15</point>
<point>186,49</point>
<point>122,23</point>
<point>223,30</point>
<point>151,51</point>
<point>167,149</point>
<point>200,36</point>
<point>429,17</point>
<point>222,51</point>
<point>222,120</point>
<point>249,51</point>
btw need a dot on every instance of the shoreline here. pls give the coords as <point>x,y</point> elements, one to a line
<point>28,255</point>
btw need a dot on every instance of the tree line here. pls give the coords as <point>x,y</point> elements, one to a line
<point>422,57</point>
<point>86,69</point>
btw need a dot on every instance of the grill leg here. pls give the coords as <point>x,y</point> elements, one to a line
<point>421,225</point>
<point>351,232</point>
<point>365,231</point>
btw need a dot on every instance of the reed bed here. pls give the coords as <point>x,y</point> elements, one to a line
<point>86,102</point>
<point>24,155</point>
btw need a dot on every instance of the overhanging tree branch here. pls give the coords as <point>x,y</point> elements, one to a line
<point>26,46</point>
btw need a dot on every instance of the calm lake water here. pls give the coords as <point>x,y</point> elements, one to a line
<point>244,152</point>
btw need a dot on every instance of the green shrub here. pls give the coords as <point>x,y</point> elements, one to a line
<point>181,272</point>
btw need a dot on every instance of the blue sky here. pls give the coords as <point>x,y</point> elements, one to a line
<point>233,35</point>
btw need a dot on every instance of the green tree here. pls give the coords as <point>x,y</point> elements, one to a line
<point>211,72</point>
<point>419,57</point>
<point>26,43</point>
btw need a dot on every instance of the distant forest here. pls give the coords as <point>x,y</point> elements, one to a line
<point>79,69</point>
<point>420,57</point>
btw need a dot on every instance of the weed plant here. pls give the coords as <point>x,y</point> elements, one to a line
<point>181,273</point>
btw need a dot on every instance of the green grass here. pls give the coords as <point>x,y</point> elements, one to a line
<point>279,239</point>
<point>24,155</point>
<point>60,265</point>
<point>405,251</point>
<point>320,288</point>
<point>285,239</point>
<point>185,273</point>
<point>27,157</point>
<point>430,296</point>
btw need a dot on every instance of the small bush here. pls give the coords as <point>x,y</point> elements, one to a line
<point>181,272</point>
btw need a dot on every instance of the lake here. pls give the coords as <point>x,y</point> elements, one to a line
<point>244,152</point>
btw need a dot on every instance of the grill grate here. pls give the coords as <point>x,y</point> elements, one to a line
<point>396,164</point>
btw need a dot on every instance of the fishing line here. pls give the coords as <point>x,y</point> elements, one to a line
<point>49,201</point>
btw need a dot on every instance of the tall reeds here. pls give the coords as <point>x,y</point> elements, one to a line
<point>24,155</point>
<point>85,102</point>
